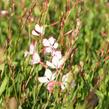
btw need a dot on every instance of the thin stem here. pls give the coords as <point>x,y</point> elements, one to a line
<point>47,101</point>
<point>29,76</point>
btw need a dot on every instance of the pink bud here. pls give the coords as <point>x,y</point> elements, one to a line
<point>52,84</point>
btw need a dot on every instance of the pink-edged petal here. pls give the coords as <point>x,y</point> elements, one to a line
<point>48,50</point>
<point>51,40</point>
<point>43,79</point>
<point>50,86</point>
<point>55,45</point>
<point>48,74</point>
<point>35,58</point>
<point>50,64</point>
<point>34,33</point>
<point>55,61</point>
<point>39,29</point>
<point>46,43</point>
<point>57,54</point>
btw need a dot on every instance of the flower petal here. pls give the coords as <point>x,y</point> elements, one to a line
<point>60,64</point>
<point>53,76</point>
<point>63,86</point>
<point>48,50</point>
<point>46,42</point>
<point>55,61</point>
<point>35,58</point>
<point>51,40</point>
<point>39,29</point>
<point>43,80</point>
<point>55,45</point>
<point>48,73</point>
<point>52,84</point>
<point>57,54</point>
<point>34,33</point>
<point>50,64</point>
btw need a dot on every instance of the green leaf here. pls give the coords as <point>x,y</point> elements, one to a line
<point>3,85</point>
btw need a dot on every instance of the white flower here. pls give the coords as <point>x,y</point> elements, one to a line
<point>35,58</point>
<point>56,63</point>
<point>57,54</point>
<point>39,30</point>
<point>50,44</point>
<point>48,76</point>
<point>56,60</point>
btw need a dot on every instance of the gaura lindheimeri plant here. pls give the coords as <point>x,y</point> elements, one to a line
<point>50,45</point>
<point>56,62</point>
<point>39,30</point>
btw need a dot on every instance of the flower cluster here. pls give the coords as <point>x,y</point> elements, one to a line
<point>48,79</point>
<point>50,47</point>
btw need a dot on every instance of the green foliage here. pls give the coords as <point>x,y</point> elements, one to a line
<point>89,64</point>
